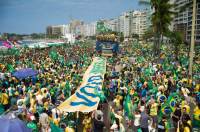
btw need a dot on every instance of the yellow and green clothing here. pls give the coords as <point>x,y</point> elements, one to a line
<point>4,98</point>
<point>196,119</point>
<point>154,109</point>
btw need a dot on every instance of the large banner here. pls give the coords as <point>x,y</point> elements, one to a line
<point>85,98</point>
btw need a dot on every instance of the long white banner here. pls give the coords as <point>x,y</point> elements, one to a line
<point>85,98</point>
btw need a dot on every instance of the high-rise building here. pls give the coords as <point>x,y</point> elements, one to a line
<point>124,23</point>
<point>121,23</point>
<point>197,24</point>
<point>133,22</point>
<point>90,29</point>
<point>183,20</point>
<point>139,22</point>
<point>148,9</point>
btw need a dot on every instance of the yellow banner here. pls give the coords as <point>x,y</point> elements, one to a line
<point>85,98</point>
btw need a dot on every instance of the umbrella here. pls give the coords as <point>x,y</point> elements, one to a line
<point>24,73</point>
<point>12,125</point>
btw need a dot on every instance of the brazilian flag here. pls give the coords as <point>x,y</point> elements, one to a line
<point>128,107</point>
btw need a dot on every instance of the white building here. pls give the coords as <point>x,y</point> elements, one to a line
<point>90,29</point>
<point>121,23</point>
<point>133,22</point>
<point>124,24</point>
<point>139,22</point>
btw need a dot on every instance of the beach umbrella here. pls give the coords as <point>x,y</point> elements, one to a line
<point>8,124</point>
<point>24,73</point>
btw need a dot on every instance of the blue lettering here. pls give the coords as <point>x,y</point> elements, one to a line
<point>92,78</point>
<point>83,90</point>
<point>86,101</point>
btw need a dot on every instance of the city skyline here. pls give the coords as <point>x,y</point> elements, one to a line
<point>32,17</point>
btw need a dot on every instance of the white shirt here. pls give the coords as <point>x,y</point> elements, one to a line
<point>137,120</point>
<point>39,99</point>
<point>142,108</point>
<point>114,127</point>
<point>44,119</point>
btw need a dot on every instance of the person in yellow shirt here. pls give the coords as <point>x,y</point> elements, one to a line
<point>184,105</point>
<point>33,104</point>
<point>87,124</point>
<point>117,100</point>
<point>153,113</point>
<point>4,100</point>
<point>70,128</point>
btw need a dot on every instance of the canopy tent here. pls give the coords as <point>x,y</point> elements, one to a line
<point>24,73</point>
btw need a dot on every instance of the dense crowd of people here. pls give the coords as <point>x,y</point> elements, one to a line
<point>141,92</point>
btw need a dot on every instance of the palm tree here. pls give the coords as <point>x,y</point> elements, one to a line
<point>161,19</point>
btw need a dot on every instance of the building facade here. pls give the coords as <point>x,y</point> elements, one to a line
<point>90,29</point>
<point>139,22</point>
<point>183,20</point>
<point>197,24</point>
<point>57,30</point>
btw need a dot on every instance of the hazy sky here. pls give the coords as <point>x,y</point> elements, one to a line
<point>28,16</point>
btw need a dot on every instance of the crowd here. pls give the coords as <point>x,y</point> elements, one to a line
<point>141,93</point>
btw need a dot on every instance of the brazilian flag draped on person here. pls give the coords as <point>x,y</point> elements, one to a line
<point>168,106</point>
<point>128,106</point>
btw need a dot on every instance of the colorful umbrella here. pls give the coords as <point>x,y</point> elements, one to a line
<point>24,73</point>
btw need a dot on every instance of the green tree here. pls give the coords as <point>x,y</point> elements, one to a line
<point>161,19</point>
<point>176,39</point>
<point>148,34</point>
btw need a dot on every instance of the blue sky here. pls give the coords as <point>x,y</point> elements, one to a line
<point>28,16</point>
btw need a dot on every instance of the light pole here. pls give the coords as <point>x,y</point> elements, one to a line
<point>192,39</point>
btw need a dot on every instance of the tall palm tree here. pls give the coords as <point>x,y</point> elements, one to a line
<point>161,19</point>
